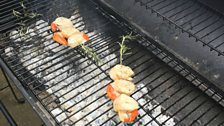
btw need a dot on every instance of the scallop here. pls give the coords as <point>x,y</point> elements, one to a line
<point>123,86</point>
<point>125,103</point>
<point>121,72</point>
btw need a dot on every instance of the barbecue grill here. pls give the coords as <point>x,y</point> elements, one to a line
<point>177,58</point>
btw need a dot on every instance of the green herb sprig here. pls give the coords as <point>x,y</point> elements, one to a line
<point>22,5</point>
<point>23,29</point>
<point>123,47</point>
<point>17,14</point>
<point>89,51</point>
<point>32,15</point>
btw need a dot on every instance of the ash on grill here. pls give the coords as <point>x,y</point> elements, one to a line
<point>69,92</point>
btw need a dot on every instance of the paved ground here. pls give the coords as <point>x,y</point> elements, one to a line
<point>22,113</point>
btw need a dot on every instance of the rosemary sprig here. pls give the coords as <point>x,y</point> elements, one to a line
<point>89,51</point>
<point>21,23</point>
<point>32,15</point>
<point>23,29</point>
<point>123,47</point>
<point>17,14</point>
<point>22,5</point>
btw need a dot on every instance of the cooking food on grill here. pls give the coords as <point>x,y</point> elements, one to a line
<point>128,117</point>
<point>61,23</point>
<point>121,72</point>
<point>67,34</point>
<point>111,93</point>
<point>125,103</point>
<point>126,107</point>
<point>120,90</point>
<point>119,87</point>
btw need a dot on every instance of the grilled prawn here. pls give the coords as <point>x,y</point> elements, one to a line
<point>68,34</point>
<point>119,87</point>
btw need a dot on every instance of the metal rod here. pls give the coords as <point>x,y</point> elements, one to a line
<point>194,18</point>
<point>167,5</point>
<point>205,112</point>
<point>30,42</point>
<point>9,11</point>
<point>108,100</point>
<point>83,76</point>
<point>4,88</point>
<point>89,104</point>
<point>187,14</point>
<point>217,28</point>
<point>162,83</point>
<point>176,6</point>
<point>87,88</point>
<point>143,87</point>
<point>184,30</point>
<point>40,112</point>
<point>7,114</point>
<point>19,100</point>
<point>210,120</point>
<point>210,24</point>
<point>63,79</point>
<point>183,9</point>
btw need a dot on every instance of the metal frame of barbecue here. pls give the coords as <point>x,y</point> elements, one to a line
<point>7,114</point>
<point>163,66</point>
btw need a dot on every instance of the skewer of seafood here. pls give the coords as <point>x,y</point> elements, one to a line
<point>126,107</point>
<point>120,90</point>
<point>66,34</point>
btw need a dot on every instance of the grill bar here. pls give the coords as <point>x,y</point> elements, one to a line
<point>8,12</point>
<point>193,80</point>
<point>204,86</point>
<point>7,114</point>
<point>10,23</point>
<point>42,54</point>
<point>42,64</point>
<point>45,31</point>
<point>179,5</point>
<point>111,107</point>
<point>70,87</point>
<point>72,82</point>
<point>174,22</point>
<point>193,111</point>
<point>68,76</point>
<point>149,83</point>
<point>198,83</point>
<point>153,89</point>
<point>37,107</point>
<point>104,78</point>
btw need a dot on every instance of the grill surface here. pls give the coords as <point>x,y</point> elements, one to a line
<point>172,36</point>
<point>70,87</point>
<point>200,22</point>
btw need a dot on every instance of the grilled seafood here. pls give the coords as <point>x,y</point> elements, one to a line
<point>68,34</point>
<point>128,117</point>
<point>120,87</point>
<point>125,103</point>
<point>126,107</point>
<point>121,72</point>
<point>120,90</point>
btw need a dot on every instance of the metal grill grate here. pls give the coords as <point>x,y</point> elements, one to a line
<point>71,88</point>
<point>189,16</point>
